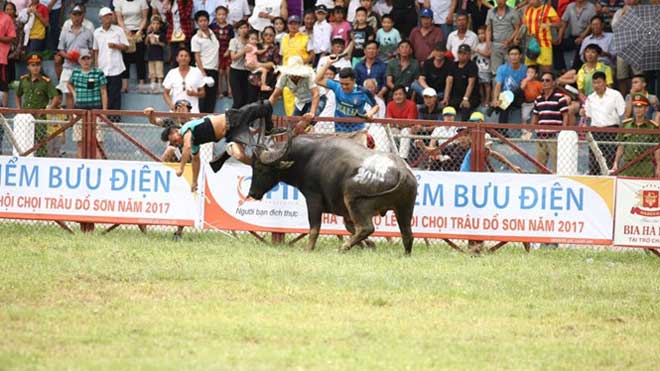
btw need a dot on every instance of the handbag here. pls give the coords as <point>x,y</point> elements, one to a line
<point>533,47</point>
<point>178,36</point>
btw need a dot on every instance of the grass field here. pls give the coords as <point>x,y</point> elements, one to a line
<point>126,301</point>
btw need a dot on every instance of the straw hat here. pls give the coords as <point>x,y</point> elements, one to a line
<point>295,67</point>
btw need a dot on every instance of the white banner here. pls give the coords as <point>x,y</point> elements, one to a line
<point>95,191</point>
<point>637,213</point>
<point>510,207</point>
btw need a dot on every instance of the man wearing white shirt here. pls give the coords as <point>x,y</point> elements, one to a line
<point>461,36</point>
<point>183,83</point>
<point>322,32</point>
<point>109,42</point>
<point>238,10</point>
<point>205,46</point>
<point>604,108</point>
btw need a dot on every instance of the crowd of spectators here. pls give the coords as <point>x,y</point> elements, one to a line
<point>550,63</point>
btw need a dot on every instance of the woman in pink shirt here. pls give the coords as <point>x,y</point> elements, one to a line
<point>340,27</point>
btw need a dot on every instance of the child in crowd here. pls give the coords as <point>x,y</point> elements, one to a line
<point>252,59</point>
<point>372,18</point>
<point>155,52</point>
<point>531,87</point>
<point>340,27</point>
<point>388,38</point>
<point>223,32</point>
<point>280,29</point>
<point>362,33</point>
<point>322,34</point>
<point>482,59</point>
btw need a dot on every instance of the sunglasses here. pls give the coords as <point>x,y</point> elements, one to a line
<point>546,80</point>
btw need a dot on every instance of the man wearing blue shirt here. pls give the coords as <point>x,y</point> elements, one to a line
<point>508,78</point>
<point>350,98</point>
<point>371,67</point>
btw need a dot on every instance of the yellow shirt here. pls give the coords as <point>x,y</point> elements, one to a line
<point>584,77</point>
<point>38,30</point>
<point>535,17</point>
<point>294,46</point>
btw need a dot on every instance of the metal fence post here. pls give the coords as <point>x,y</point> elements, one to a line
<point>88,151</point>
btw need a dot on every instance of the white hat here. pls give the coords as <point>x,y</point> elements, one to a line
<point>104,11</point>
<point>295,67</point>
<point>429,92</point>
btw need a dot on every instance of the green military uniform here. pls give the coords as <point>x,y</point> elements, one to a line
<point>646,167</point>
<point>35,94</point>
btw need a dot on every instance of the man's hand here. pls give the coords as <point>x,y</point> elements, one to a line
<point>495,102</point>
<point>308,116</point>
<point>264,15</point>
<point>149,111</point>
<point>465,104</point>
<point>193,186</point>
<point>369,116</point>
<point>449,19</point>
<point>301,127</point>
<point>179,172</point>
<point>332,58</point>
<point>445,102</point>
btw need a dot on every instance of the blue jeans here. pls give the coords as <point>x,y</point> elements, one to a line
<point>418,89</point>
<point>308,106</point>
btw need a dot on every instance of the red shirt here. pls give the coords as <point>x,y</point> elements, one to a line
<point>407,111</point>
<point>7,29</point>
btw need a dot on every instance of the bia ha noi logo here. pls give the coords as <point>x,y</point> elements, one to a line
<point>648,201</point>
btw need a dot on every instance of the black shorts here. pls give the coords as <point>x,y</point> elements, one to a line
<point>203,132</point>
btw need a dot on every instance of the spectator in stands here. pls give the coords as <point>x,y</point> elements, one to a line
<point>109,42</point>
<point>371,67</point>
<point>388,39</point>
<point>340,27</point>
<point>604,108</point>
<point>36,91</point>
<point>607,8</point>
<point>430,110</point>
<point>307,28</point>
<point>7,36</point>
<point>265,11</point>
<point>372,18</point>
<point>54,12</point>
<point>434,72</point>
<point>350,99</point>
<point>462,36</point>
<point>603,39</point>
<point>295,42</point>
<point>502,29</point>
<point>404,14</point>
<point>575,22</point>
<point>86,23</point>
<point>649,167</point>
<point>425,36</point>
<point>532,88</point>
<point>155,44</point>
<point>443,13</point>
<point>381,7</point>
<point>338,47</point>
<point>224,32</point>
<point>268,60</point>
<point>205,47</point>
<point>466,165</point>
<point>88,87</point>
<point>37,22</point>
<point>178,17</point>
<point>482,59</point>
<point>362,34</point>
<point>592,65</point>
<point>404,69</point>
<point>238,73</point>
<point>461,89</point>
<point>132,17</point>
<point>551,111</point>
<point>280,29</point>
<point>400,107</point>
<point>299,79</point>
<point>538,19</point>
<point>72,39</point>
<point>208,5</point>
<point>509,77</point>
<point>322,34</point>
<point>372,86</point>
<point>451,157</point>
<point>639,88</point>
<point>184,82</point>
<point>239,10</point>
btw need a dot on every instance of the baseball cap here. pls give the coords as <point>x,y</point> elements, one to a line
<point>183,102</point>
<point>477,116</point>
<point>321,8</point>
<point>640,100</point>
<point>426,13</point>
<point>84,53</point>
<point>77,9</point>
<point>104,11</point>
<point>449,110</point>
<point>429,92</point>
<point>464,48</point>
<point>293,18</point>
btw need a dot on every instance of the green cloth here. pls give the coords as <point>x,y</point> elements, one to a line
<point>87,86</point>
<point>405,77</point>
<point>644,168</point>
<point>35,94</point>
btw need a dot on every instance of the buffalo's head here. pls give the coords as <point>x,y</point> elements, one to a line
<point>267,166</point>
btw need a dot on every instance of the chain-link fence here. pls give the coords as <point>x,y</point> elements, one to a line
<point>425,145</point>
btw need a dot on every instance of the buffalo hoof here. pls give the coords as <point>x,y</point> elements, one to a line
<point>344,248</point>
<point>176,237</point>
<point>369,243</point>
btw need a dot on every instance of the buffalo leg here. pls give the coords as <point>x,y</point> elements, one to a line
<point>351,228</point>
<point>403,217</point>
<point>314,213</point>
<point>363,224</point>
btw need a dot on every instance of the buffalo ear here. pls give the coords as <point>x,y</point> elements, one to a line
<point>285,164</point>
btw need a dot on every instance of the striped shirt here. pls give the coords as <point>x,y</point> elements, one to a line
<point>535,17</point>
<point>550,110</point>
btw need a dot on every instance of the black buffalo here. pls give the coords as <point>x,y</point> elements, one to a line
<point>340,176</point>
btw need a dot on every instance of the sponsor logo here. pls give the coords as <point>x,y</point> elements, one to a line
<point>648,202</point>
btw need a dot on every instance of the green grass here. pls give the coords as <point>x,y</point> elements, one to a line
<point>127,300</point>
